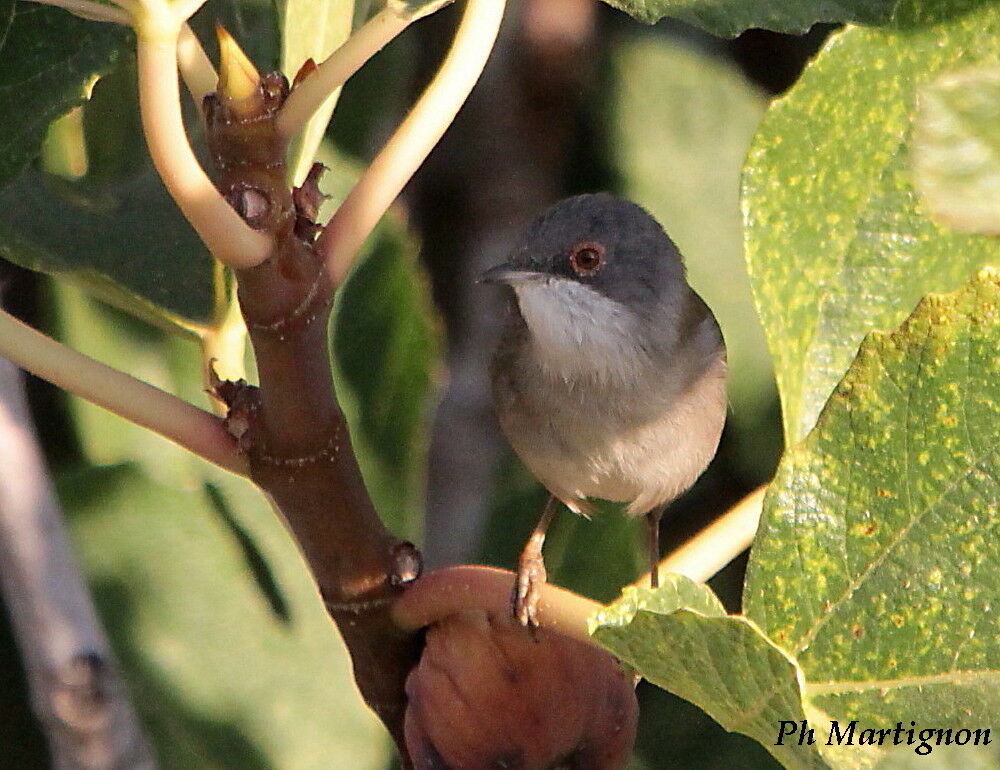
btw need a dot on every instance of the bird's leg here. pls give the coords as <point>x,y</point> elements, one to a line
<point>531,569</point>
<point>653,522</point>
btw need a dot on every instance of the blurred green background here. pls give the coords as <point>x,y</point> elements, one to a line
<point>230,658</point>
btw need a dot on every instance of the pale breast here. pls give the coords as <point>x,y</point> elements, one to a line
<point>643,444</point>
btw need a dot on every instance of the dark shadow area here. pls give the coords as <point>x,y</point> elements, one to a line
<point>22,743</point>
<point>674,733</point>
<point>254,559</point>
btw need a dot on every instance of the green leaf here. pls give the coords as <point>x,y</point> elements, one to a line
<point>49,59</point>
<point>837,243</point>
<point>870,591</point>
<point>311,29</point>
<point>956,149</point>
<point>386,349</point>
<point>679,638</point>
<point>682,123</point>
<point>875,561</point>
<point>945,758</point>
<point>731,17</point>
<point>115,231</point>
<point>229,655</point>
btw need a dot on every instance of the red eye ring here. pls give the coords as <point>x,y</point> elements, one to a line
<point>586,258</point>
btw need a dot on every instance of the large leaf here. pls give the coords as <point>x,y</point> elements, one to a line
<point>871,585</point>
<point>875,564</point>
<point>730,17</point>
<point>683,121</point>
<point>956,150</point>
<point>679,637</point>
<point>115,231</point>
<point>48,59</point>
<point>385,345</point>
<point>386,349</point>
<point>836,240</point>
<point>230,657</point>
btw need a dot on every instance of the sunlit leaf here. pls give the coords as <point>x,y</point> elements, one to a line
<point>874,565</point>
<point>837,241</point>
<point>870,589</point>
<point>678,637</point>
<point>730,17</point>
<point>956,149</point>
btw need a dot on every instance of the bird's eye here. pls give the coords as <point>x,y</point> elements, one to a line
<point>586,258</point>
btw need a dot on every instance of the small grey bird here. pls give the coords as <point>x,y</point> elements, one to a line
<point>609,378</point>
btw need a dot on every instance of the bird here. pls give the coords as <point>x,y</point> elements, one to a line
<point>609,376</point>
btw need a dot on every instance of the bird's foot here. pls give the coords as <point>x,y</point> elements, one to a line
<point>524,599</point>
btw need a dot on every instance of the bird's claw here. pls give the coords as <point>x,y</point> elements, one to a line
<point>524,600</point>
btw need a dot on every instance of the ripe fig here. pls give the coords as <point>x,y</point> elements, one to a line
<point>488,694</point>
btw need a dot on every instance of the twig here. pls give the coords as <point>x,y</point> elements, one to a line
<point>227,236</point>
<point>76,689</point>
<point>718,544</point>
<point>192,428</point>
<point>195,67</point>
<point>416,136</point>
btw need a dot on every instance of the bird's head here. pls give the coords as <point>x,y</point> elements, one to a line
<point>597,281</point>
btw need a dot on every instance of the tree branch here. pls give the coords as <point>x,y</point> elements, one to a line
<point>76,689</point>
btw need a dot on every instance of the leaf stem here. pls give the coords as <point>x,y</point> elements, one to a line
<point>311,92</point>
<point>196,68</point>
<point>226,235</point>
<point>192,428</point>
<point>701,557</point>
<point>416,136</point>
<point>447,591</point>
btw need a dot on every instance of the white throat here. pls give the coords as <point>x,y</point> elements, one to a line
<point>578,331</point>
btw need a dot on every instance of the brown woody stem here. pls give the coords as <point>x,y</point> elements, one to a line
<point>291,429</point>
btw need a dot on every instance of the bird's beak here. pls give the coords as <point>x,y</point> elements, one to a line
<point>510,274</point>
